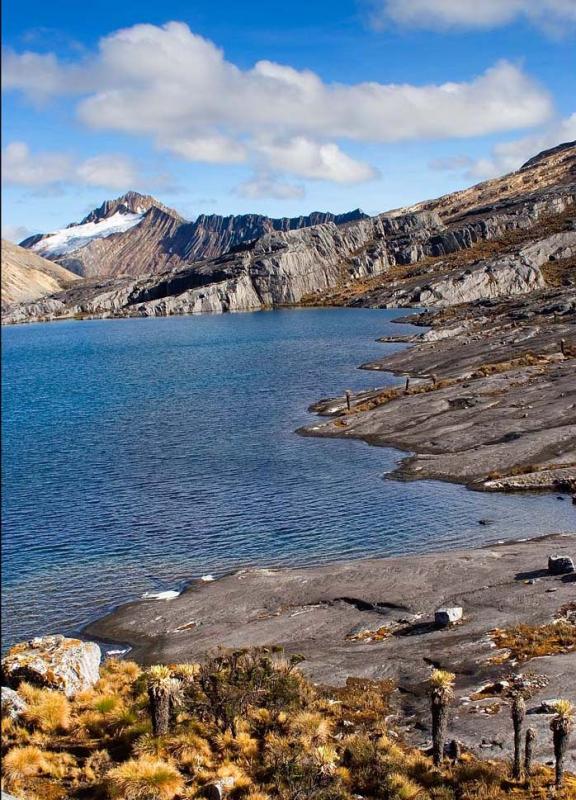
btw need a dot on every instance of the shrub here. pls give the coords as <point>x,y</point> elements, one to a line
<point>528,641</point>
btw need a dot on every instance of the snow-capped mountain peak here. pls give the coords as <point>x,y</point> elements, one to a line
<point>66,240</point>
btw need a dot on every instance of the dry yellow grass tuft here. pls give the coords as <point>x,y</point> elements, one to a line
<point>22,762</point>
<point>524,642</point>
<point>145,779</point>
<point>47,710</point>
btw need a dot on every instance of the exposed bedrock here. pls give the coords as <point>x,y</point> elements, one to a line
<point>375,618</point>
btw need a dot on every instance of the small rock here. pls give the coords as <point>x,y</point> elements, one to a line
<point>547,707</point>
<point>560,565</point>
<point>68,665</point>
<point>448,615</point>
<point>13,706</point>
<point>219,789</point>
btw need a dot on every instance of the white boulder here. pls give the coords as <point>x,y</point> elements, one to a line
<point>448,615</point>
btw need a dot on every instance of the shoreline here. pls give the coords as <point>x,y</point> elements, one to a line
<point>328,613</point>
<point>486,401</point>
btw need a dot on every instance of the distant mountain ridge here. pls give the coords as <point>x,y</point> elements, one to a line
<point>137,235</point>
<point>527,217</point>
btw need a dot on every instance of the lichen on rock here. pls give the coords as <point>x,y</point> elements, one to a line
<point>56,662</point>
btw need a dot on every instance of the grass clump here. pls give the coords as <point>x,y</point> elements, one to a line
<point>47,710</point>
<point>245,720</point>
<point>531,641</point>
<point>145,779</point>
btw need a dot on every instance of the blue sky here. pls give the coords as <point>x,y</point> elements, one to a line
<point>275,108</point>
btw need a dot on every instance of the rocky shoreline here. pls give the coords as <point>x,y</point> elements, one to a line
<point>488,399</point>
<point>374,618</point>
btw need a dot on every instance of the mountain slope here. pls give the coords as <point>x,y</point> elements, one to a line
<point>504,245</point>
<point>137,235</point>
<point>26,276</point>
<point>554,167</point>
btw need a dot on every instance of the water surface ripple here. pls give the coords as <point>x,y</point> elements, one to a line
<point>139,454</point>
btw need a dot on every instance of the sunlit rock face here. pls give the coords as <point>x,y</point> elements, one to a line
<point>54,662</point>
<point>295,262</point>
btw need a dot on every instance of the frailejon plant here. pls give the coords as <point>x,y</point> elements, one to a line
<point>162,687</point>
<point>518,715</point>
<point>561,727</point>
<point>529,753</point>
<point>441,694</point>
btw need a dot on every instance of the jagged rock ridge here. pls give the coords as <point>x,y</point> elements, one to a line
<point>137,235</point>
<point>291,266</point>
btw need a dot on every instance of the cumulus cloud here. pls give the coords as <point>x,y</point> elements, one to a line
<point>22,167</point>
<point>309,159</point>
<point>215,149</point>
<point>269,186</point>
<point>509,156</point>
<point>178,88</point>
<point>552,15</point>
<point>108,170</point>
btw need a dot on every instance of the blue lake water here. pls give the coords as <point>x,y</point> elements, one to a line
<point>139,454</point>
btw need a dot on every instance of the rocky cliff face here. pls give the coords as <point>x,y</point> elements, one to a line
<point>327,262</point>
<point>26,276</point>
<point>137,235</point>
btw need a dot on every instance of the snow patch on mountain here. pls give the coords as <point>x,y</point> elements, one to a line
<point>66,240</point>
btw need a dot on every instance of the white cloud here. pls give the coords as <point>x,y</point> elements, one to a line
<point>309,159</point>
<point>21,167</point>
<point>178,88</point>
<point>113,171</point>
<point>15,233</point>
<point>215,149</point>
<point>268,186</point>
<point>509,156</point>
<point>553,15</point>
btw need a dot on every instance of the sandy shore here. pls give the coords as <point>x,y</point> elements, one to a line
<point>321,613</point>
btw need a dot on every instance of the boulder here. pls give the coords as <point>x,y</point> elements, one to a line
<point>560,565</point>
<point>56,662</point>
<point>13,706</point>
<point>448,615</point>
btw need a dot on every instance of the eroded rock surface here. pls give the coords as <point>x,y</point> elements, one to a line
<point>492,398</point>
<point>321,612</point>
<point>56,662</point>
<point>13,706</point>
<point>294,262</point>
